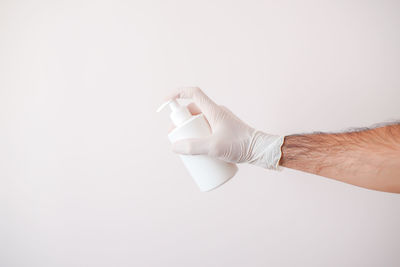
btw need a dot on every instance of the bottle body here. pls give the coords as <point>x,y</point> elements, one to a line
<point>208,173</point>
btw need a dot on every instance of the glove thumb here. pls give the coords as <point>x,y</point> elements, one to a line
<point>192,146</point>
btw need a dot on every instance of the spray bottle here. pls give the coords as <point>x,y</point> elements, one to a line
<point>208,173</point>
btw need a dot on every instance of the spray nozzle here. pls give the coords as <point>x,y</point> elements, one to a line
<point>179,114</point>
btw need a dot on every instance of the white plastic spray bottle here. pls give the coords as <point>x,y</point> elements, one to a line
<point>208,173</point>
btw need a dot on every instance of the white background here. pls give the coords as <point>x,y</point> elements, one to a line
<point>87,177</point>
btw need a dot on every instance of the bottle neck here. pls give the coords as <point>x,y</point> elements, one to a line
<point>180,115</point>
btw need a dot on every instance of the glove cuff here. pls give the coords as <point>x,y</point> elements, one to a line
<point>266,150</point>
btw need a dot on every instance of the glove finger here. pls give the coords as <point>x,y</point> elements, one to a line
<point>194,109</point>
<point>193,146</point>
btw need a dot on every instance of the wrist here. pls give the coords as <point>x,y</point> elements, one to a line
<point>265,150</point>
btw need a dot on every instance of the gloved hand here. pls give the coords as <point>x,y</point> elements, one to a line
<point>232,140</point>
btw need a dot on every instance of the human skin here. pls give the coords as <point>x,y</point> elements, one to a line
<point>367,158</point>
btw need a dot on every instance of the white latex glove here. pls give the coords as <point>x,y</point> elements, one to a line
<point>232,140</point>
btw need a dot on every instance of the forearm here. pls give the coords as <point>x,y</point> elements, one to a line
<point>369,158</point>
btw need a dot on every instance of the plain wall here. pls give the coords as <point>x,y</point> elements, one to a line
<point>87,177</point>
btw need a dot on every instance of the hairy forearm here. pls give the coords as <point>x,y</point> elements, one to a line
<point>368,158</point>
